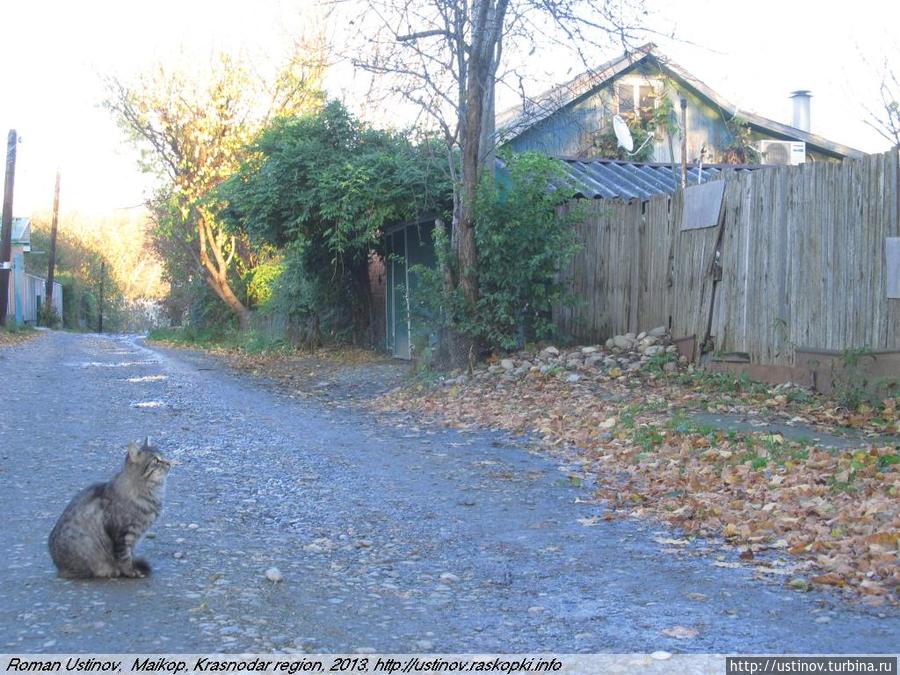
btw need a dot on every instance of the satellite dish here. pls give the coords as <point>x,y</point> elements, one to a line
<point>623,134</point>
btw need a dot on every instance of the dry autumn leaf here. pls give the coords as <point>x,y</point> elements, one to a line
<point>681,632</point>
<point>832,511</point>
<point>829,580</point>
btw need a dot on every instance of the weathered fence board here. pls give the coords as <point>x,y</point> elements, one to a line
<point>802,256</point>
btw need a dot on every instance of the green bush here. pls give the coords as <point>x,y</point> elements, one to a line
<point>524,236</point>
<point>206,311</point>
<point>262,280</point>
<point>854,385</point>
<point>323,186</point>
<point>81,303</point>
<point>50,317</point>
<point>316,310</point>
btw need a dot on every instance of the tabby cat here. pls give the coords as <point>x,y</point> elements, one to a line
<point>96,534</point>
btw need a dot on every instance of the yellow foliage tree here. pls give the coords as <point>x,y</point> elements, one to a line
<point>192,132</point>
<point>114,247</point>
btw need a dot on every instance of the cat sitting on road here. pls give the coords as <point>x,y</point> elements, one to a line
<point>96,534</point>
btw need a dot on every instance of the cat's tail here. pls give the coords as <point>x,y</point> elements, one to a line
<point>142,566</point>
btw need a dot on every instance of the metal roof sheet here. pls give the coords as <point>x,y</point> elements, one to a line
<point>617,179</point>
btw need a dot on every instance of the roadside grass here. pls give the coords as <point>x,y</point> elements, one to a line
<point>726,392</point>
<point>218,340</point>
<point>257,347</point>
<point>727,383</point>
<point>12,335</point>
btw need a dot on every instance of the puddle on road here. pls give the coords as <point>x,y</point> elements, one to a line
<point>148,404</point>
<point>98,364</point>
<point>147,378</point>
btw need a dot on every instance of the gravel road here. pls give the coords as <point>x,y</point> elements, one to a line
<point>387,536</point>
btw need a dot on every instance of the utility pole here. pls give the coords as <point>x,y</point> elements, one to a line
<point>102,275</point>
<point>51,265</point>
<point>6,228</point>
<point>683,143</point>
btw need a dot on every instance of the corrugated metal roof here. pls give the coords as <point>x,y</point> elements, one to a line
<point>617,179</point>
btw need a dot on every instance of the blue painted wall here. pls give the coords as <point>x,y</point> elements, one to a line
<point>570,131</point>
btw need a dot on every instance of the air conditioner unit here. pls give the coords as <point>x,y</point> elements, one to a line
<point>782,152</point>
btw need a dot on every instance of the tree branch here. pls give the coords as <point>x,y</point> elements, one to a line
<point>424,34</point>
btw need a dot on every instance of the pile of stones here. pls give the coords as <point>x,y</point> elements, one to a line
<point>621,355</point>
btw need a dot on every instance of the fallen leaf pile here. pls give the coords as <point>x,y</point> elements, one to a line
<point>300,367</point>
<point>795,512</point>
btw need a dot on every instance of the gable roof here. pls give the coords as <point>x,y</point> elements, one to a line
<point>517,120</point>
<point>21,231</point>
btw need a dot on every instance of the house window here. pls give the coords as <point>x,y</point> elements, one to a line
<point>625,96</point>
<point>636,99</point>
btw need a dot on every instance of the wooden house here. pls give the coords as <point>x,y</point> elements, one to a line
<point>573,122</point>
<point>646,88</point>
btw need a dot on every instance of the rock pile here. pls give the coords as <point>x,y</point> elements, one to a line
<point>652,350</point>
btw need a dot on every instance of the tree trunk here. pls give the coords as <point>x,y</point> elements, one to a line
<point>476,139</point>
<point>467,254</point>
<point>215,272</point>
<point>222,289</point>
<point>487,149</point>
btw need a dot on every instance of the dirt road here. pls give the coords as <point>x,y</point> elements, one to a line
<point>390,538</point>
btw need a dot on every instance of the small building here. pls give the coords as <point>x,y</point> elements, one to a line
<point>410,244</point>
<point>27,292</point>
<point>574,122</point>
<point>646,88</point>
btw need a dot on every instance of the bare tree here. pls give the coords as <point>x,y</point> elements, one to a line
<point>448,56</point>
<point>886,118</point>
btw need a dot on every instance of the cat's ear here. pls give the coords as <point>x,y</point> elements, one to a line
<point>147,445</point>
<point>134,451</point>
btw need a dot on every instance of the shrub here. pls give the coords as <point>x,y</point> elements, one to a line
<point>524,236</point>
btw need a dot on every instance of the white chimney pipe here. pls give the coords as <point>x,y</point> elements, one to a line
<point>801,99</point>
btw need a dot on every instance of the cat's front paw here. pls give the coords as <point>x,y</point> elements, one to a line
<point>132,572</point>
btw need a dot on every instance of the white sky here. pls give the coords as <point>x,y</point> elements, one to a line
<point>752,53</point>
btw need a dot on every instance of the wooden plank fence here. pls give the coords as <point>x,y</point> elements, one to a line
<point>802,257</point>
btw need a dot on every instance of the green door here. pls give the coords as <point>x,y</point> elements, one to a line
<point>398,307</point>
<point>407,247</point>
<point>419,251</point>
